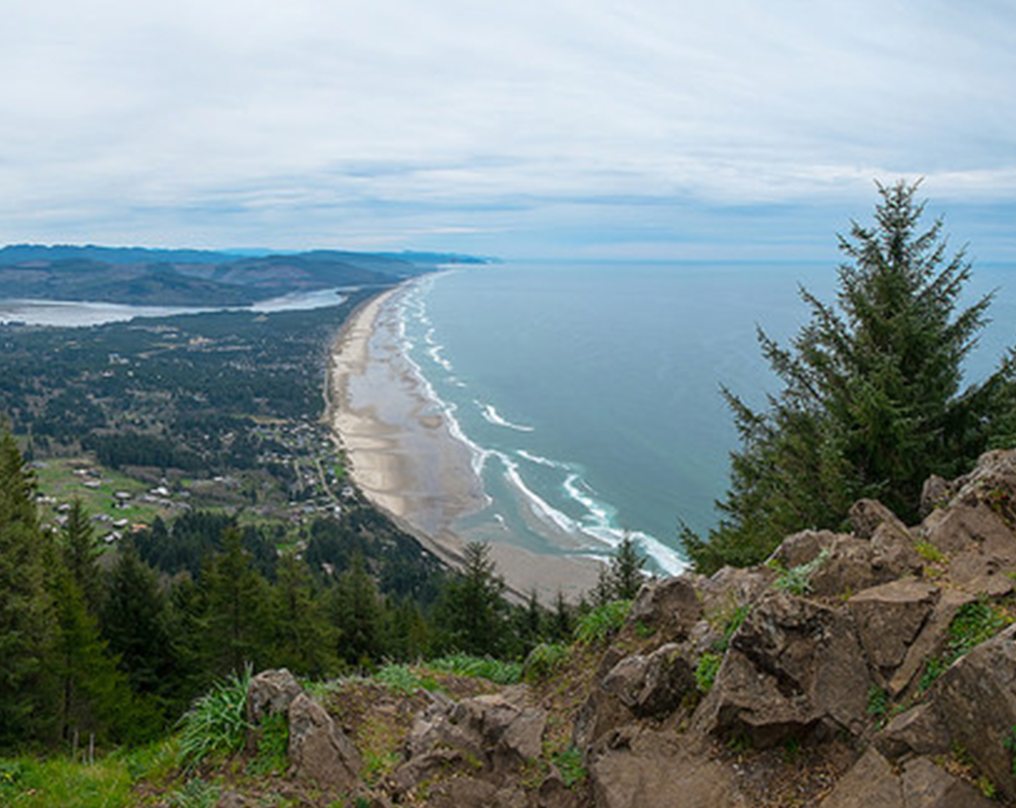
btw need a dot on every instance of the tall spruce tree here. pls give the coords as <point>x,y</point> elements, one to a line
<point>135,623</point>
<point>871,401</point>
<point>238,628</point>
<point>81,555</point>
<point>471,613</point>
<point>28,627</point>
<point>304,640</point>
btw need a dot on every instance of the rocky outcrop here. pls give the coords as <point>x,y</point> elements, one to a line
<point>794,666</point>
<point>835,675</point>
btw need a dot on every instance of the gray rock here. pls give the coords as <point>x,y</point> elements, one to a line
<point>794,666</point>
<point>651,685</point>
<point>320,751</point>
<point>271,692</point>
<point>866,515</point>
<point>888,618</point>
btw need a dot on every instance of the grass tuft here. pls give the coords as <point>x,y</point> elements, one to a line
<point>797,580</point>
<point>495,670</point>
<point>217,722</point>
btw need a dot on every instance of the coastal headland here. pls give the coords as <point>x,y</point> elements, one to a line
<point>404,456</point>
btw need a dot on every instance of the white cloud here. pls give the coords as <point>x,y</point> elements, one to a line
<point>225,120</point>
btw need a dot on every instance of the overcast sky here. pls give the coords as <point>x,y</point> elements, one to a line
<point>526,128</point>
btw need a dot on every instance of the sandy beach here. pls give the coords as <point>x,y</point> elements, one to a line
<point>405,458</point>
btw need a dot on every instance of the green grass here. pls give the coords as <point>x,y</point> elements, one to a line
<point>403,679</point>
<point>544,660</point>
<point>600,624</point>
<point>194,794</point>
<point>216,725</point>
<point>272,756</point>
<point>496,670</point>
<point>30,782</point>
<point>56,478</point>
<point>706,670</point>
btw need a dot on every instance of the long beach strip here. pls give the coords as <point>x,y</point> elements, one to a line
<point>405,459</point>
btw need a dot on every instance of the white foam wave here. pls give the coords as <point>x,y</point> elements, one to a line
<point>541,461</point>
<point>492,416</point>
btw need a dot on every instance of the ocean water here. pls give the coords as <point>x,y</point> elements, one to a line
<point>590,393</point>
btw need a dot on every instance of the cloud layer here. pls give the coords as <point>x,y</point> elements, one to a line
<point>653,128</point>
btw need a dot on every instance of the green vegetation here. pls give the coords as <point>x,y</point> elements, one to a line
<point>495,670</point>
<point>569,764</point>
<point>973,624</point>
<point>544,660</point>
<point>216,725</point>
<point>705,671</point>
<point>929,552</point>
<point>272,755</point>
<point>1009,744</point>
<point>878,702</point>
<point>403,679</point>
<point>797,580</point>
<point>871,401</point>
<point>601,623</point>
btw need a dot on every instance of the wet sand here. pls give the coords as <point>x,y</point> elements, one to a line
<point>406,460</point>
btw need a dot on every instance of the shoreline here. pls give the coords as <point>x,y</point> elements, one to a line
<point>403,455</point>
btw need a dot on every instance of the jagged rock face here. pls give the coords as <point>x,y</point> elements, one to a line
<point>652,685</point>
<point>888,619</point>
<point>672,606</point>
<point>873,783</point>
<point>271,692</point>
<point>976,700</point>
<point>318,750</point>
<point>867,515</point>
<point>793,666</point>
<point>491,736</point>
<point>654,770</point>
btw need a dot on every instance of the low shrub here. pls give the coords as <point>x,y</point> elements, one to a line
<point>797,580</point>
<point>598,625</point>
<point>706,670</point>
<point>543,660</point>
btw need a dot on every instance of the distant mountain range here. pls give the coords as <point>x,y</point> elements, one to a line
<point>184,277</point>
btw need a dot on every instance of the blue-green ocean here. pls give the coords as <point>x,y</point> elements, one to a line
<point>590,392</point>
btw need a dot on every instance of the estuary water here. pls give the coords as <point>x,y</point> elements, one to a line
<point>82,313</point>
<point>590,393</point>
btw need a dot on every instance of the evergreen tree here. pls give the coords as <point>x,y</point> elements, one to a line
<point>237,600</point>
<point>357,614</point>
<point>28,629</point>
<point>626,576</point>
<point>471,610</point>
<point>94,696</point>
<point>304,640</point>
<point>81,555</point>
<point>562,620</point>
<point>871,401</point>
<point>135,623</point>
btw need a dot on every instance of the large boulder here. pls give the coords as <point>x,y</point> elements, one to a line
<point>271,692</point>
<point>655,770</point>
<point>486,737</point>
<point>794,666</point>
<point>888,619</point>
<point>867,515</point>
<point>976,699</point>
<point>874,783</point>
<point>651,685</point>
<point>319,750</point>
<point>848,564</point>
<point>671,605</point>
